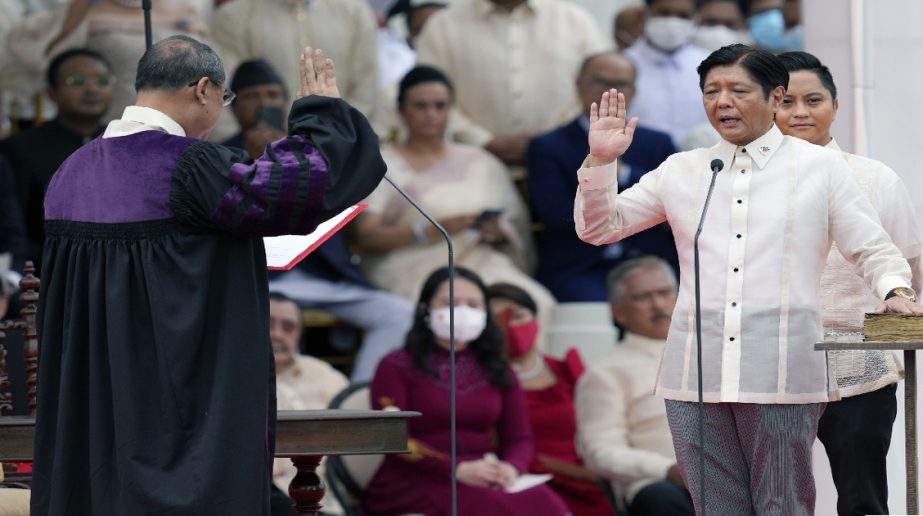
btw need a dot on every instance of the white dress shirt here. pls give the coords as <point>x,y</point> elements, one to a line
<point>622,429</point>
<point>668,97</point>
<point>846,298</point>
<point>513,71</point>
<point>776,207</point>
<point>136,119</point>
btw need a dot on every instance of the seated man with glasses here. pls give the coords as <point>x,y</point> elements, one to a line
<point>80,83</point>
<point>570,268</point>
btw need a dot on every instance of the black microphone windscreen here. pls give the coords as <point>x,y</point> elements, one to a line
<point>717,165</point>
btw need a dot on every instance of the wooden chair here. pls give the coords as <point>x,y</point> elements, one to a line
<point>25,325</point>
<point>29,285</point>
<point>316,339</point>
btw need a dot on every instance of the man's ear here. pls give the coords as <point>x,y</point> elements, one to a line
<point>776,96</point>
<point>618,313</point>
<point>201,90</point>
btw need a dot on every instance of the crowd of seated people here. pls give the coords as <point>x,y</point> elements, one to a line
<point>481,106</point>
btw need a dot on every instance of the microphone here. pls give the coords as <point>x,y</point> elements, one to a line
<point>453,437</point>
<point>716,166</point>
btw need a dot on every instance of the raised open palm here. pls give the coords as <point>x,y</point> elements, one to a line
<point>318,75</point>
<point>610,135</point>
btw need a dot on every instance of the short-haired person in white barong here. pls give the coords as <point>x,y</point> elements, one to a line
<point>856,431</point>
<point>777,205</point>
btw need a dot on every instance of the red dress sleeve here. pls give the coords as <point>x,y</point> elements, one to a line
<point>516,445</point>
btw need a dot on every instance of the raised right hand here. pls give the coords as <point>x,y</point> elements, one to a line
<point>609,135</point>
<point>318,75</point>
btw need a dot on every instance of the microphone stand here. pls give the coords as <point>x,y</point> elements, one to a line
<point>451,264</point>
<point>716,166</point>
<point>148,32</point>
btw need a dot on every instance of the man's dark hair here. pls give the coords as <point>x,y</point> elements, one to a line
<point>174,62</point>
<point>419,75</point>
<point>590,58</point>
<point>762,66</point>
<point>51,75</point>
<point>744,5</point>
<point>695,3</point>
<point>803,61</point>
<point>279,296</point>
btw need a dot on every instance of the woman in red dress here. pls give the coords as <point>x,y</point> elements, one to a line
<point>548,384</point>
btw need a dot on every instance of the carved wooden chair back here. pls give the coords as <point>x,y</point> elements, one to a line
<point>29,286</point>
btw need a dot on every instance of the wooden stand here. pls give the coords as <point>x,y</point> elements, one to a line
<point>304,436</point>
<point>910,405</point>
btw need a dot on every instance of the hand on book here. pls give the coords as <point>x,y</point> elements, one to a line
<point>900,305</point>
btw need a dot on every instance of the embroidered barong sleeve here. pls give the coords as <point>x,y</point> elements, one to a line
<point>899,218</point>
<point>602,215</point>
<point>329,161</point>
<point>390,388</point>
<point>857,231</point>
<point>602,404</point>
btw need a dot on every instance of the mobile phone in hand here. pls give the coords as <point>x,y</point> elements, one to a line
<point>272,116</point>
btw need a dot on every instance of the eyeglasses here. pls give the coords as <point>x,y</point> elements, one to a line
<point>227,96</point>
<point>77,80</point>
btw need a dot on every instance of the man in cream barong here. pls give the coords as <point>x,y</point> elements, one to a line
<point>777,206</point>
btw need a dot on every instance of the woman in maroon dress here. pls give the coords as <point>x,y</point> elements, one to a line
<point>494,442</point>
<point>548,384</point>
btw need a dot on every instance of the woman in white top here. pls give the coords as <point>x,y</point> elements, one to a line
<point>465,188</point>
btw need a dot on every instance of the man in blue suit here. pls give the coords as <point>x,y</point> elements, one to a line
<point>570,268</point>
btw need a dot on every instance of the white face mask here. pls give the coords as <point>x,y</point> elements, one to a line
<point>668,32</point>
<point>716,36</point>
<point>469,323</point>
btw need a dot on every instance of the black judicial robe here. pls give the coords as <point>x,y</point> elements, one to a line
<point>155,389</point>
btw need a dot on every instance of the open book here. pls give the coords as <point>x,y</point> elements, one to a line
<point>284,252</point>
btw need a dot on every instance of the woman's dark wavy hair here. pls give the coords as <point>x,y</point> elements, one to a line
<point>488,348</point>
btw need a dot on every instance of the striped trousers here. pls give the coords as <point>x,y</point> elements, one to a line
<point>757,456</point>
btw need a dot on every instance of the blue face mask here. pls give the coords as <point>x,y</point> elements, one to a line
<point>768,29</point>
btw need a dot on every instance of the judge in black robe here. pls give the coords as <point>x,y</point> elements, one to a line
<point>155,390</point>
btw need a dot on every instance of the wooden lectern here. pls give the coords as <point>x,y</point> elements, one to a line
<point>910,403</point>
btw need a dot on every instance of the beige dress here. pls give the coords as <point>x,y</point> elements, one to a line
<point>468,181</point>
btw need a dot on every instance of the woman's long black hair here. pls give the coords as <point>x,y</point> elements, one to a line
<point>488,348</point>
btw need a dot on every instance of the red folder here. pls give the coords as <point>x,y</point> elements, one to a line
<point>284,252</point>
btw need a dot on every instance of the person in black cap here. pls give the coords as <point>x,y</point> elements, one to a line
<point>260,106</point>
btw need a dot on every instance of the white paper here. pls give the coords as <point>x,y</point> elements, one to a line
<point>527,481</point>
<point>281,251</point>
